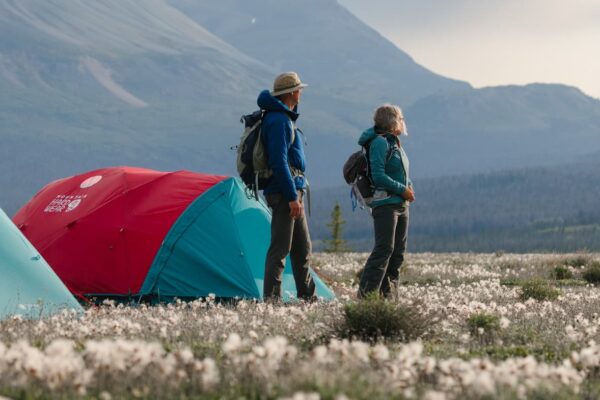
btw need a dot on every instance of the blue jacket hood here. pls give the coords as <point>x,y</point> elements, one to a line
<point>268,102</point>
<point>367,136</point>
<point>370,134</point>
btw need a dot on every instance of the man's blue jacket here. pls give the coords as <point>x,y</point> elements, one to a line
<point>282,153</point>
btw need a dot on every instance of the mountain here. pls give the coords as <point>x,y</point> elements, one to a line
<point>502,127</point>
<point>89,84</point>
<point>350,68</point>
<point>456,129</point>
<point>162,84</point>
<point>112,82</point>
<point>520,210</point>
<point>336,52</point>
<point>119,54</point>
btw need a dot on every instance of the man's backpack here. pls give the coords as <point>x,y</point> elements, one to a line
<point>252,161</point>
<point>357,173</point>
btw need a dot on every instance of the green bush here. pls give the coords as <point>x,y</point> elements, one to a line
<point>592,273</point>
<point>561,273</point>
<point>485,321</point>
<point>375,318</point>
<point>488,322</point>
<point>499,352</point>
<point>538,290</point>
<point>510,281</point>
<point>512,264</point>
<point>577,261</point>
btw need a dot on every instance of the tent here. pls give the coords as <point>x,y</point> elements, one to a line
<point>28,287</point>
<point>129,232</point>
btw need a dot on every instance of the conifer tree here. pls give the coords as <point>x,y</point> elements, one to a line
<point>336,244</point>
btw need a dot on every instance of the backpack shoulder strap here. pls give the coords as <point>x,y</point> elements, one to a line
<point>294,133</point>
<point>390,149</point>
<point>389,153</point>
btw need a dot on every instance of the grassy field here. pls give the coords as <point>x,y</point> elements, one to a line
<point>462,326</point>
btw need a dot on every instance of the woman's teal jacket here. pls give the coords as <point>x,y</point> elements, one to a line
<point>388,171</point>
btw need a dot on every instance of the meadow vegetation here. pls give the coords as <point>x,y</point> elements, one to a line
<point>461,326</point>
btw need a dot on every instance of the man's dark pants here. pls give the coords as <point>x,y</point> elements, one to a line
<point>383,265</point>
<point>288,236</point>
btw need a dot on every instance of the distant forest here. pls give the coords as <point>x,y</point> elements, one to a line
<point>528,210</point>
<point>534,209</point>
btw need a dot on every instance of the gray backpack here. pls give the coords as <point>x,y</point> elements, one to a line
<point>252,161</point>
<point>357,173</point>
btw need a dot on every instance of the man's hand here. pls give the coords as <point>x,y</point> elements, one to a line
<point>409,194</point>
<point>296,209</point>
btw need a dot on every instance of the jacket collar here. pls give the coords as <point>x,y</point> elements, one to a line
<point>268,102</point>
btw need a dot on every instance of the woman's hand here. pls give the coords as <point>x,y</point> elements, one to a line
<point>409,194</point>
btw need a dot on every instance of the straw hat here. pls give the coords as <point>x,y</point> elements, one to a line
<point>287,82</point>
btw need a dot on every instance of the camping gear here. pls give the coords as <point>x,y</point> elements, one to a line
<point>28,286</point>
<point>251,154</point>
<point>357,173</point>
<point>252,163</point>
<point>128,232</point>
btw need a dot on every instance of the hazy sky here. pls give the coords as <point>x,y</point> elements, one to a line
<point>495,42</point>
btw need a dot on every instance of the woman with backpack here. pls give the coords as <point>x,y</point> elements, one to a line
<point>389,167</point>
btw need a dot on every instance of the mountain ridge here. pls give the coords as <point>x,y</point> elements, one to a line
<point>68,107</point>
<point>349,39</point>
<point>507,126</point>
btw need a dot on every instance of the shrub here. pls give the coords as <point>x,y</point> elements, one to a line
<point>510,281</point>
<point>374,318</point>
<point>511,264</point>
<point>484,326</point>
<point>577,261</point>
<point>592,273</point>
<point>561,273</point>
<point>538,290</point>
<point>485,321</point>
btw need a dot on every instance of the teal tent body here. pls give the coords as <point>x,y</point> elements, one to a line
<point>28,286</point>
<point>218,246</point>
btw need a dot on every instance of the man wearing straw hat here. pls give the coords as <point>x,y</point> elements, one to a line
<point>285,190</point>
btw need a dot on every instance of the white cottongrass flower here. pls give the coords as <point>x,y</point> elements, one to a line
<point>483,384</point>
<point>105,396</point>
<point>434,395</point>
<point>121,351</point>
<point>302,396</point>
<point>232,344</point>
<point>209,372</point>
<point>321,355</point>
<point>380,352</point>
<point>341,396</point>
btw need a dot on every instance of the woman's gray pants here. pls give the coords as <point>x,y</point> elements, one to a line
<point>383,265</point>
<point>288,236</point>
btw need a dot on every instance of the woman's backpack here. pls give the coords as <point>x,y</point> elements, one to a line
<point>357,173</point>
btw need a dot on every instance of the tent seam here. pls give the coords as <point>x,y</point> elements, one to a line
<point>239,237</point>
<point>171,246</point>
